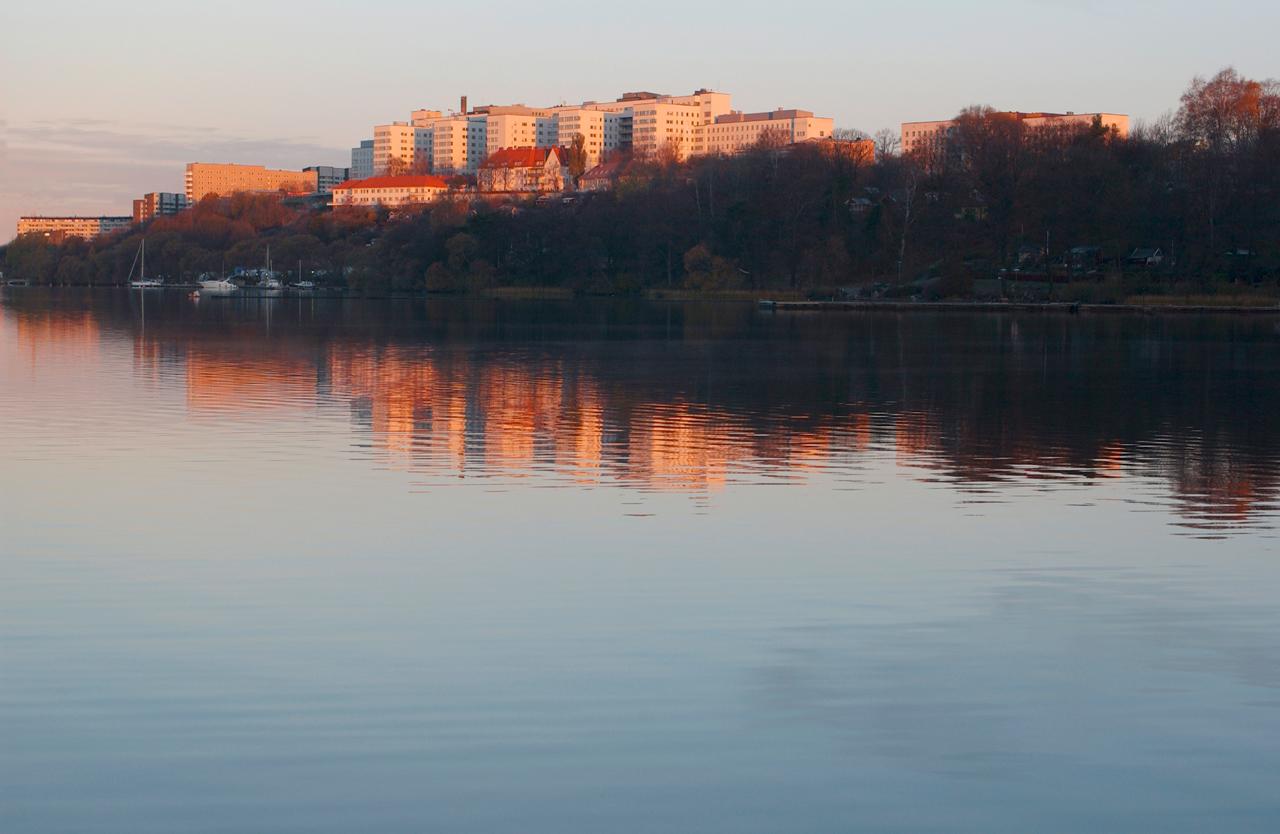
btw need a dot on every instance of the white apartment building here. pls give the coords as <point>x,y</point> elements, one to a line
<point>410,144</point>
<point>646,123</point>
<point>460,143</point>
<point>518,126</point>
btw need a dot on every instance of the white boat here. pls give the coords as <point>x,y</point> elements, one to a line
<point>219,285</point>
<point>269,281</point>
<point>142,282</point>
<point>301,284</point>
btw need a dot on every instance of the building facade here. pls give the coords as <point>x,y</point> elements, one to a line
<point>390,192</point>
<point>647,124</point>
<point>156,204</point>
<point>362,160</point>
<point>736,132</point>
<point>58,229</point>
<point>524,171</point>
<point>929,141</point>
<point>403,146</point>
<point>327,176</point>
<point>224,179</point>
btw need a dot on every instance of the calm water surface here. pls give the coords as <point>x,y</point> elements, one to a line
<point>307,565</point>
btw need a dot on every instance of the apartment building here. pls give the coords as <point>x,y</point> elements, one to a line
<point>736,132</point>
<point>518,126</point>
<point>58,229</point>
<point>362,160</point>
<point>327,176</point>
<point>647,123</point>
<point>929,140</point>
<point>391,192</point>
<point>205,178</point>
<point>404,141</point>
<point>461,143</point>
<point>158,203</point>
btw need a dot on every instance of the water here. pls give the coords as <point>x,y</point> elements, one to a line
<point>306,565</point>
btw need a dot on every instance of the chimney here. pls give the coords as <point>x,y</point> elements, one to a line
<point>463,106</point>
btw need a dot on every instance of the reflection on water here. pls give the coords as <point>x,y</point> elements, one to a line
<point>283,564</point>
<point>694,398</point>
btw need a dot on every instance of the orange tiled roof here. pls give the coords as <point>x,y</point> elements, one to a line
<point>521,157</point>
<point>406,181</point>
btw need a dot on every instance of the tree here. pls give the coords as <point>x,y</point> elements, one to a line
<point>577,156</point>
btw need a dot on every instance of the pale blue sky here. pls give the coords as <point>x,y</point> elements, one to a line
<point>106,100</point>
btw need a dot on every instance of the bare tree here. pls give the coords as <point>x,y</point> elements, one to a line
<point>887,143</point>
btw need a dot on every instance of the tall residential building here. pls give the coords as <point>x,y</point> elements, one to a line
<point>402,141</point>
<point>328,176</point>
<point>929,140</point>
<point>362,160</point>
<point>518,126</point>
<point>460,143</point>
<point>205,178</point>
<point>646,123</point>
<point>58,229</point>
<point>158,203</point>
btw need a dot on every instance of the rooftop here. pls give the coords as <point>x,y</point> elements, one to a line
<point>405,181</point>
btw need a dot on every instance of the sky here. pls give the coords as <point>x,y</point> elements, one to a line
<point>102,102</point>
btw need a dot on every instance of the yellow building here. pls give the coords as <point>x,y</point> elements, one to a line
<point>204,178</point>
<point>58,229</point>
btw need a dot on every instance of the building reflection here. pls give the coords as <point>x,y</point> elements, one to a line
<point>695,405</point>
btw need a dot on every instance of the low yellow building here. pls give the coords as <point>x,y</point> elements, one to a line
<point>390,192</point>
<point>58,229</point>
<point>205,178</point>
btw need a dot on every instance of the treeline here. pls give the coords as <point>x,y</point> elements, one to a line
<point>1202,185</point>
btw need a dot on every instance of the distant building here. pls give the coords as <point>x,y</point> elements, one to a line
<point>646,124</point>
<point>328,176</point>
<point>736,132</point>
<point>362,160</point>
<point>929,141</point>
<point>390,192</point>
<point>205,178</point>
<point>158,203</point>
<point>524,171</point>
<point>58,229</point>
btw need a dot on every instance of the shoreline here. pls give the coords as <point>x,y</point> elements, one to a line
<point>1072,308</point>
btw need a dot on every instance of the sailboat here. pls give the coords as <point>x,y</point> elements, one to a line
<point>269,281</point>
<point>303,285</point>
<point>142,282</point>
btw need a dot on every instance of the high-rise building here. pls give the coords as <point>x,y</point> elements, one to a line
<point>327,176</point>
<point>460,143</point>
<point>157,203</point>
<point>205,178</point>
<point>362,160</point>
<point>647,123</point>
<point>58,229</point>
<point>401,145</point>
